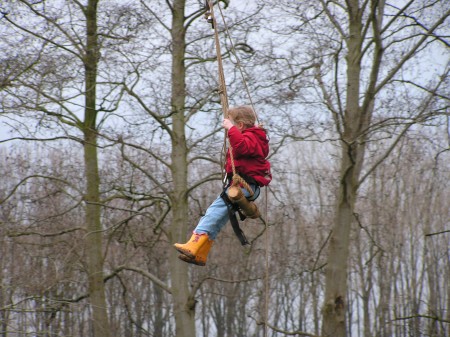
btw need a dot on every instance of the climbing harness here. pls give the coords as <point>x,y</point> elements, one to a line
<point>234,208</point>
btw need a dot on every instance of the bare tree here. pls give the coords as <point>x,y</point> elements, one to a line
<point>43,83</point>
<point>361,55</point>
<point>354,122</point>
<point>152,144</point>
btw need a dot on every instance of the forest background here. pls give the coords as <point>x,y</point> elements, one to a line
<point>111,150</point>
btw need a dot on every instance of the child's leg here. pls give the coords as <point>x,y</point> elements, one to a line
<point>215,218</point>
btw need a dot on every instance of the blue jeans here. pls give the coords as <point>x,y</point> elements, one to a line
<point>216,216</point>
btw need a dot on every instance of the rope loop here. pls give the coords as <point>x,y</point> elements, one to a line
<point>237,180</point>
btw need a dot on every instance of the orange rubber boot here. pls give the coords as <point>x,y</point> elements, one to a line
<point>202,254</point>
<point>192,247</point>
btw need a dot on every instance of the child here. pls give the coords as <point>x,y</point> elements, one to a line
<point>250,148</point>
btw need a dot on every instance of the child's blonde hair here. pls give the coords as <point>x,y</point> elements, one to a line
<point>244,114</point>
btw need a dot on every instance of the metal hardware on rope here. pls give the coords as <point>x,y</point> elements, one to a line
<point>208,15</point>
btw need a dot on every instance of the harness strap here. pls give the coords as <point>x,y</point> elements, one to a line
<point>232,209</point>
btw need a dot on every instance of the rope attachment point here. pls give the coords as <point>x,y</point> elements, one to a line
<point>208,15</point>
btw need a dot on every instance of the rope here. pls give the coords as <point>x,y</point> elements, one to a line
<point>238,63</point>
<point>222,84</point>
<point>267,288</point>
<point>237,179</point>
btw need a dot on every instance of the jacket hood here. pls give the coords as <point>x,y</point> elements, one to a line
<point>262,137</point>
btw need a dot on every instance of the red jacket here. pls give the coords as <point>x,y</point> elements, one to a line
<point>250,149</point>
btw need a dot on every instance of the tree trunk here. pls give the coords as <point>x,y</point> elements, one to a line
<point>336,271</point>
<point>184,304</point>
<point>94,235</point>
<point>334,322</point>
